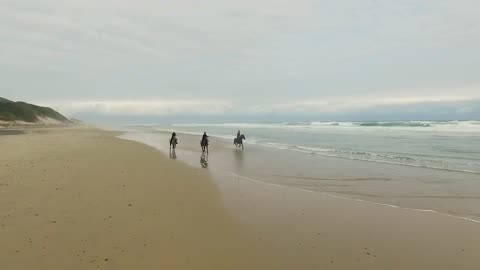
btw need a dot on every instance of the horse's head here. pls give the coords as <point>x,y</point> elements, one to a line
<point>243,137</point>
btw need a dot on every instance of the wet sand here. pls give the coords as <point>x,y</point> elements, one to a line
<point>78,198</point>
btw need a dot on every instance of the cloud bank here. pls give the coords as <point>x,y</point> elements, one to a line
<point>439,108</point>
<point>143,107</point>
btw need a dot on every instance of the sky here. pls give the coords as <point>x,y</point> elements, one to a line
<point>221,60</point>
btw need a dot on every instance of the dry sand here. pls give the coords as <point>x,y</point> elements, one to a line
<point>79,198</point>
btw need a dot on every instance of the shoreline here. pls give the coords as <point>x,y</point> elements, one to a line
<point>130,206</point>
<point>332,194</point>
<point>186,153</point>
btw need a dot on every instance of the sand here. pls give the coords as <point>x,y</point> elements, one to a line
<point>80,198</point>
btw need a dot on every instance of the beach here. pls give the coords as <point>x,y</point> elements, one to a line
<point>82,198</point>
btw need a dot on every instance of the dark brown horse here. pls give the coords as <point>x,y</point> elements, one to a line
<point>204,144</point>
<point>239,141</point>
<point>173,143</point>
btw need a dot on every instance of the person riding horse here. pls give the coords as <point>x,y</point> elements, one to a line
<point>173,140</point>
<point>204,142</point>
<point>239,140</point>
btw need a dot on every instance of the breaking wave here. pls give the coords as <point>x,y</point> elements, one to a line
<point>454,126</point>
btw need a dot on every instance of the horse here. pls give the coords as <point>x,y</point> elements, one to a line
<point>204,145</point>
<point>239,141</point>
<point>173,143</point>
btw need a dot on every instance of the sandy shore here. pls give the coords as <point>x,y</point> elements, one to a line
<point>79,198</point>
<point>83,199</point>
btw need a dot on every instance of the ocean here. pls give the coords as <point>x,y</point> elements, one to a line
<point>443,145</point>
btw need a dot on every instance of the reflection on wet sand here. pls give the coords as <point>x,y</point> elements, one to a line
<point>173,154</point>
<point>204,160</point>
<point>239,157</point>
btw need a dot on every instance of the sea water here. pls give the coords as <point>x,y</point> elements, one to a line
<point>444,145</point>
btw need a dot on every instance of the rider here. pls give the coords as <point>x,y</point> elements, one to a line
<point>173,138</point>
<point>238,135</point>
<point>205,137</point>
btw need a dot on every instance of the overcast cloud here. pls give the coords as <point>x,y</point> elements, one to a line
<point>266,58</point>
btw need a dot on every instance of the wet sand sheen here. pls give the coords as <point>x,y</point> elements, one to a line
<point>83,199</point>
